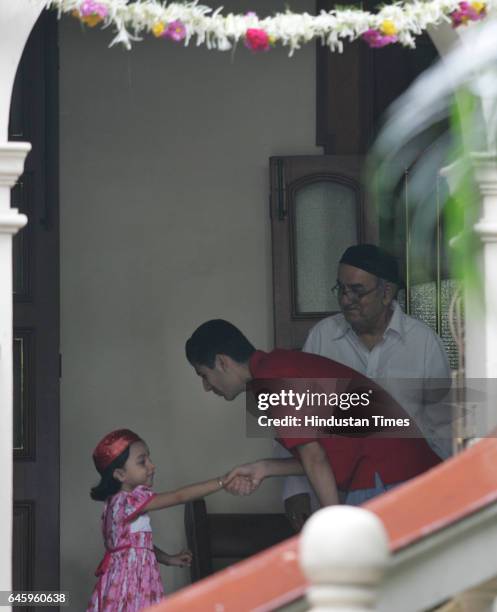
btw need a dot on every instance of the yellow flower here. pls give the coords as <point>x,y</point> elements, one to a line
<point>157,29</point>
<point>91,20</point>
<point>478,6</point>
<point>388,28</point>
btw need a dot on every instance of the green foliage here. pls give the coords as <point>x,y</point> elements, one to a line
<point>404,165</point>
<point>462,207</point>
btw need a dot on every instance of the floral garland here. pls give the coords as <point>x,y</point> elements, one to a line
<point>181,22</point>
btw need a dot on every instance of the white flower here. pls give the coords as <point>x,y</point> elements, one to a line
<point>218,31</point>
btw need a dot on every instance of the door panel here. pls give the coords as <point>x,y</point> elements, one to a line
<point>34,116</point>
<point>318,208</point>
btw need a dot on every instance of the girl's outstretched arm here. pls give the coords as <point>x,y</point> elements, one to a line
<point>185,494</point>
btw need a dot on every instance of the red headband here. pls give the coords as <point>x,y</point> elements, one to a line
<point>111,446</point>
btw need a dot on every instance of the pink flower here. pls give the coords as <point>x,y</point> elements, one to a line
<point>473,11</point>
<point>458,18</point>
<point>376,39</point>
<point>90,8</point>
<point>257,40</point>
<point>175,30</point>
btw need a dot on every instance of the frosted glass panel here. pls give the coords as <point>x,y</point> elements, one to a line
<point>423,305</point>
<point>325,225</point>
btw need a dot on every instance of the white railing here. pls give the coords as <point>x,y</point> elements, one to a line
<point>344,554</point>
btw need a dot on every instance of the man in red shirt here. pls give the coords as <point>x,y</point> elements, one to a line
<point>227,363</point>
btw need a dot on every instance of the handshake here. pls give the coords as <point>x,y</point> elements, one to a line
<point>245,479</point>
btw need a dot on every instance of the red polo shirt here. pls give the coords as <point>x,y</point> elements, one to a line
<point>354,460</point>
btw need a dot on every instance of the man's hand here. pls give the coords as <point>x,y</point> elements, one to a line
<point>298,510</point>
<point>245,479</point>
<point>240,485</point>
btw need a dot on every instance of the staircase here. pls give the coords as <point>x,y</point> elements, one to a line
<point>440,552</point>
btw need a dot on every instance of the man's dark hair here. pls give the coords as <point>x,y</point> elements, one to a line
<point>217,337</point>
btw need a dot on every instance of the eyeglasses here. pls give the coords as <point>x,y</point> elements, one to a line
<point>353,294</point>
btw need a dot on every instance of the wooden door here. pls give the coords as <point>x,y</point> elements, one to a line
<point>318,208</point>
<point>33,118</point>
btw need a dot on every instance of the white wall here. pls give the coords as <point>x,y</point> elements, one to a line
<point>164,224</point>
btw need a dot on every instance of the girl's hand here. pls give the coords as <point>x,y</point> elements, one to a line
<point>182,559</point>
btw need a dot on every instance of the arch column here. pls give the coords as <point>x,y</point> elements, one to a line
<point>480,307</point>
<point>18,18</point>
<point>485,169</point>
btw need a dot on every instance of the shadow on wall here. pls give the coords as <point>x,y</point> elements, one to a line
<point>79,596</point>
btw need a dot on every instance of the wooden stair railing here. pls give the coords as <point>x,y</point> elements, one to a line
<point>424,518</point>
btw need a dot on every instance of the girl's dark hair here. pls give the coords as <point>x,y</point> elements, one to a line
<point>108,485</point>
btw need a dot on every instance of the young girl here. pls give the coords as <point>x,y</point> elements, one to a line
<point>128,576</point>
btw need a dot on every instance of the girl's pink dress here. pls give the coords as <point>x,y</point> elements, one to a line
<point>128,577</point>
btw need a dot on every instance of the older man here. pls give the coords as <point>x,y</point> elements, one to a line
<point>375,337</point>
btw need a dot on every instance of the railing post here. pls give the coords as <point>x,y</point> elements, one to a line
<point>343,553</point>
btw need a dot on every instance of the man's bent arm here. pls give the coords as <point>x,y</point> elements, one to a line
<point>318,470</point>
<point>264,468</point>
<point>282,467</point>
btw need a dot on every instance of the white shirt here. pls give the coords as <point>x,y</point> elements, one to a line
<point>409,349</point>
